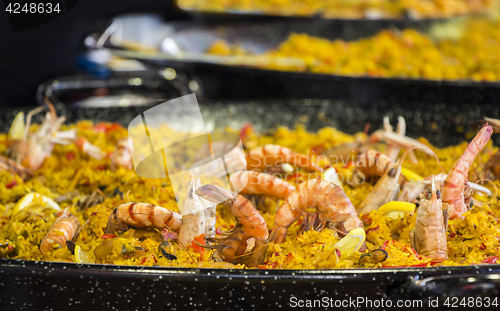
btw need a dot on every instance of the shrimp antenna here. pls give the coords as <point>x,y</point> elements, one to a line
<point>128,197</point>
<point>256,249</point>
<point>52,111</point>
<point>96,191</point>
<point>434,154</point>
<point>166,227</point>
<point>28,121</point>
<point>494,186</point>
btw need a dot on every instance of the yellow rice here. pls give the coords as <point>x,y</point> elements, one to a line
<point>470,241</point>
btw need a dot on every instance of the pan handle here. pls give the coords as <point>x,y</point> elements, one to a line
<point>456,285</point>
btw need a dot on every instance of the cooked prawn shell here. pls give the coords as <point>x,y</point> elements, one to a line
<point>35,147</point>
<point>428,237</point>
<point>143,215</point>
<point>261,184</point>
<point>251,221</point>
<point>329,200</point>
<point>371,164</point>
<point>64,229</point>
<point>246,243</point>
<point>267,156</point>
<point>453,188</point>
<point>385,190</point>
<point>122,155</point>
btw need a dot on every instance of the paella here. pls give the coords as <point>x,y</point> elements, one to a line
<point>322,200</point>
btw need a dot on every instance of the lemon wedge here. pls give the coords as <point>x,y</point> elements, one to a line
<point>331,175</point>
<point>16,130</point>
<point>83,257</point>
<point>351,242</point>
<point>410,175</point>
<point>396,209</point>
<point>29,198</point>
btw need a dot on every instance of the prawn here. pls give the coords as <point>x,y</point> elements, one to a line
<point>122,155</point>
<point>371,165</point>
<point>261,183</point>
<point>267,156</point>
<point>246,242</point>
<point>385,190</point>
<point>429,236</point>
<point>329,200</point>
<point>65,228</point>
<point>453,188</point>
<point>32,150</point>
<point>142,215</point>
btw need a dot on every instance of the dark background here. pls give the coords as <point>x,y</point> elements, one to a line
<point>35,55</point>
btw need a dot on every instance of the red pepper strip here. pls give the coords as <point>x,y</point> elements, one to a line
<point>491,259</point>
<point>11,184</point>
<point>372,229</point>
<point>414,252</point>
<point>367,220</point>
<point>108,236</point>
<point>200,239</point>
<point>105,127</point>
<point>70,156</point>
<point>431,263</point>
<point>386,243</point>
<point>246,130</point>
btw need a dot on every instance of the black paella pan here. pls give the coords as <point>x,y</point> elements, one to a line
<point>37,285</point>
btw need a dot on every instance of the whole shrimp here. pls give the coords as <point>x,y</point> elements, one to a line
<point>453,188</point>
<point>142,215</point>
<point>385,190</point>
<point>429,236</point>
<point>245,243</point>
<point>261,183</point>
<point>65,228</point>
<point>268,156</point>
<point>122,155</point>
<point>32,150</point>
<point>329,200</point>
<point>412,190</point>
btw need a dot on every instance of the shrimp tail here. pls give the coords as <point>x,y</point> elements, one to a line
<point>214,194</point>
